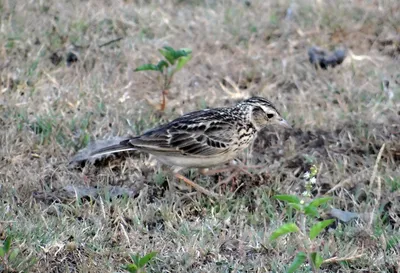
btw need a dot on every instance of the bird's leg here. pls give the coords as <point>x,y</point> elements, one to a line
<point>245,167</point>
<point>196,186</point>
<point>233,167</point>
<point>214,171</point>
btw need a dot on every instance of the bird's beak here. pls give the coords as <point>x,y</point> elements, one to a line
<point>285,124</point>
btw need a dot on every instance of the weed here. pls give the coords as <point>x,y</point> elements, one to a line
<point>43,127</point>
<point>174,61</point>
<point>138,263</point>
<point>307,208</point>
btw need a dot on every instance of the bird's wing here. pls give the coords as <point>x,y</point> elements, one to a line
<point>202,133</point>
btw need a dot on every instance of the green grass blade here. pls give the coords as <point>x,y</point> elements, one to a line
<point>7,244</point>
<point>135,259</point>
<point>318,227</point>
<point>2,252</point>
<point>285,229</point>
<point>298,261</point>
<point>13,255</point>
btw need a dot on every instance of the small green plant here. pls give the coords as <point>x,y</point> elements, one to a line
<point>10,259</point>
<point>43,126</point>
<point>174,60</point>
<point>308,227</point>
<point>138,263</point>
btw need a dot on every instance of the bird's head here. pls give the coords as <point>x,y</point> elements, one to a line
<point>263,113</point>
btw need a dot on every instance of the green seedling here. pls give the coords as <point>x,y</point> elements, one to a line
<point>308,227</point>
<point>138,263</point>
<point>174,60</point>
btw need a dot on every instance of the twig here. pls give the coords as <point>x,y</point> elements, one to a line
<point>378,159</point>
<point>336,259</point>
<point>111,42</point>
<point>235,95</point>
<point>362,57</point>
<point>379,184</point>
<point>125,233</point>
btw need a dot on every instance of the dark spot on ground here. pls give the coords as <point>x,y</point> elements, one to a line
<point>56,58</point>
<point>71,58</point>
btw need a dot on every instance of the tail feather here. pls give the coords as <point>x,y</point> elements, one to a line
<point>111,150</point>
<point>101,148</point>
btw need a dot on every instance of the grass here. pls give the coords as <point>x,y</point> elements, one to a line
<point>342,118</point>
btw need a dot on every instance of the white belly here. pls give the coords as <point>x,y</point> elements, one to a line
<point>195,162</point>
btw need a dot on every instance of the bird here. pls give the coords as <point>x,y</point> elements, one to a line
<point>201,139</point>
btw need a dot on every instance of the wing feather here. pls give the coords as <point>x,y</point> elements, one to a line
<point>198,134</point>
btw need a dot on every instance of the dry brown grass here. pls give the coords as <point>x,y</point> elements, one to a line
<point>342,118</point>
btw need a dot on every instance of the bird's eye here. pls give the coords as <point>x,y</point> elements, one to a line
<point>270,116</point>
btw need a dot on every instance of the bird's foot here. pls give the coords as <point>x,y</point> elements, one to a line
<point>235,170</point>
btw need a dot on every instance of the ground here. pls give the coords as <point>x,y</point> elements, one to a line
<point>67,79</point>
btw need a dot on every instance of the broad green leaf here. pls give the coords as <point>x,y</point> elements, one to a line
<point>285,229</point>
<point>132,268</point>
<point>2,252</point>
<point>146,67</point>
<point>288,198</point>
<point>168,53</point>
<point>13,254</point>
<point>7,244</point>
<point>182,53</point>
<point>316,259</point>
<point>146,258</point>
<point>320,201</point>
<point>296,206</point>
<point>169,49</point>
<point>298,261</point>
<point>85,140</point>
<point>311,211</point>
<point>161,64</point>
<point>318,227</point>
<point>181,62</point>
<point>187,50</point>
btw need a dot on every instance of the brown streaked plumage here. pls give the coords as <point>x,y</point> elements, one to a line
<point>204,138</point>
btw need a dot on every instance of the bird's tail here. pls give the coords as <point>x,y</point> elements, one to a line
<point>110,150</point>
<point>101,148</point>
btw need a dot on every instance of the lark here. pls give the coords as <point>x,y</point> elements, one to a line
<point>202,139</point>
